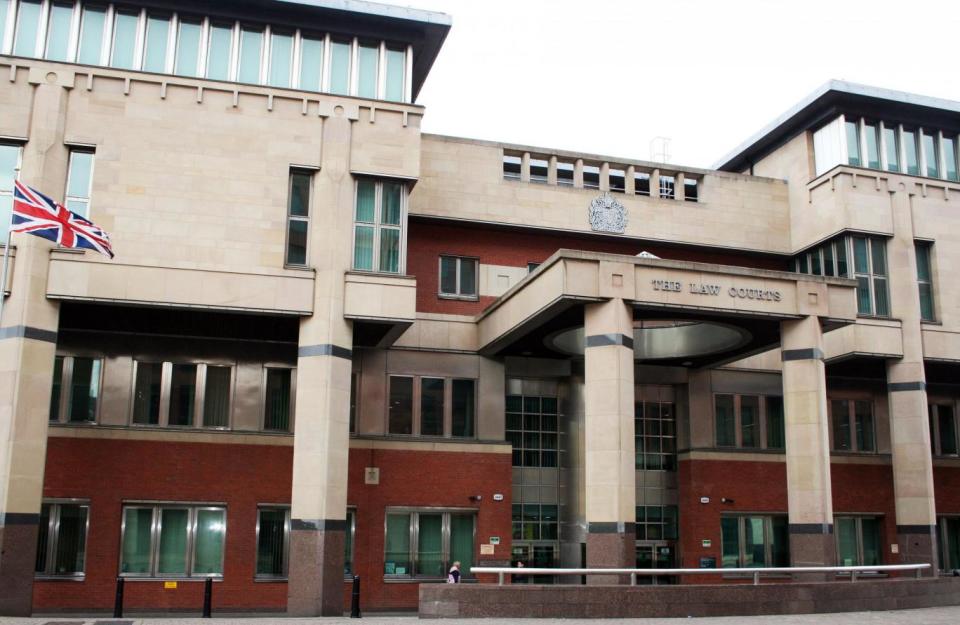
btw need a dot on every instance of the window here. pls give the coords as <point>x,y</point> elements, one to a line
<point>827,259</point>
<point>278,399</point>
<point>219,52</point>
<point>749,421</point>
<point>872,143</point>
<point>655,445</point>
<point>91,35</point>
<point>931,154</point>
<point>396,70</point>
<point>58,31</point>
<point>340,67</point>
<point>354,394</point>
<point>618,180</point>
<point>155,51</point>
<point>188,49</point>
<point>531,267</point>
<point>641,183</point>
<point>349,541</point>
<point>124,40</point>
<point>948,538</point>
<point>870,271</point>
<point>532,427</point>
<point>4,11</point>
<point>943,429</point>
<point>511,167</point>
<point>62,539</point>
<point>379,221</point>
<point>853,143</point>
<point>852,425</point>
<point>458,277</point>
<point>657,522</point>
<point>27,28</point>
<point>565,174</point>
<point>281,59</point>
<point>591,177</point>
<point>182,394</point>
<point>79,179</point>
<point>311,63</point>
<point>273,541</point>
<point>172,540</point>
<point>76,389</point>
<point>911,154</point>
<point>298,217</point>
<point>421,405</point>
<point>425,543</point>
<point>691,190</point>
<point>891,149</point>
<point>251,51</point>
<point>9,168</point>
<point>858,540</point>
<point>539,168</point>
<point>949,145</point>
<point>667,187</point>
<point>535,521</point>
<point>368,61</point>
<point>754,541</point>
<point>925,280</point>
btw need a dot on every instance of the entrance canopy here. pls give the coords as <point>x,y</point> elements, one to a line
<point>685,313</point>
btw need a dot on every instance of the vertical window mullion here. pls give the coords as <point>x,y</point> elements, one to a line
<point>382,72</point>
<point>354,67</point>
<point>265,47</point>
<point>325,65</point>
<point>297,60</point>
<point>414,543</point>
<point>377,194</point>
<point>234,70</point>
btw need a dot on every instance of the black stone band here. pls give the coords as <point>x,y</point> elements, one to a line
<point>895,387</point>
<point>611,528</point>
<point>317,525</point>
<point>27,332</point>
<point>325,349</point>
<point>810,528</point>
<point>19,518</point>
<point>605,340</point>
<point>923,530</point>
<point>810,353</point>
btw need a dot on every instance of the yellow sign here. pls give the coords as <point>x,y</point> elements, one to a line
<point>486,549</point>
<point>169,585</point>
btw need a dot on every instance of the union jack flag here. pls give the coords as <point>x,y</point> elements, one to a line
<point>35,213</point>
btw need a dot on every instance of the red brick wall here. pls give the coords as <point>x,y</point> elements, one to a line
<point>515,248</point>
<point>946,482</point>
<point>107,472</point>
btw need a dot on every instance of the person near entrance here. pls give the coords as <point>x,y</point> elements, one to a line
<point>453,577</point>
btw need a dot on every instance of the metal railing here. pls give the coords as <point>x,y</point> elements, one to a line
<point>756,572</point>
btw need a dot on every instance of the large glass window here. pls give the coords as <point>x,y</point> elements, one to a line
<point>4,12</point>
<point>425,406</point>
<point>925,280</point>
<point>281,59</point>
<point>657,522</point>
<point>425,543</point>
<point>463,408</point>
<point>146,393</point>
<point>871,140</point>
<point>188,49</point>
<point>58,31</point>
<point>591,177</point>
<point>655,436</point>
<point>949,146</point>
<point>273,541</point>
<point>123,50</point>
<point>91,35</point>
<point>891,139</point>
<point>852,129</point>
<point>431,406</point>
<point>298,217</point>
<point>251,49</point>
<point>931,154</point>
<point>943,429</point>
<point>62,539</point>
<point>396,72</point>
<point>536,521</point>
<point>754,541</point>
<point>368,60</point>
<point>81,377</point>
<point>79,180</point>
<point>27,28</point>
<point>9,167</point>
<point>158,36</point>
<point>172,540</point>
<point>400,408</point>
<point>853,425</point>
<point>278,400</point>
<point>911,153</point>
<point>340,67</point>
<point>512,165</point>
<point>870,272</point>
<point>948,539</point>
<point>182,394</point>
<point>749,421</point>
<point>458,277</point>
<point>858,540</point>
<point>776,436</point>
<point>216,397</point>
<point>379,222</point>
<point>219,51</point>
<point>311,63</point>
<point>725,419</point>
<point>532,428</point>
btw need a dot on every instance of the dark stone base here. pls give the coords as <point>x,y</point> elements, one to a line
<point>812,549</point>
<point>315,578</point>
<point>918,544</point>
<point>610,550</point>
<point>18,557</point>
<point>575,601</point>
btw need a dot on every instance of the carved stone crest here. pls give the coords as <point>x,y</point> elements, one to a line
<point>607,215</point>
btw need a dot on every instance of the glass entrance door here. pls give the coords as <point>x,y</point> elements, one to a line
<point>534,555</point>
<point>655,556</point>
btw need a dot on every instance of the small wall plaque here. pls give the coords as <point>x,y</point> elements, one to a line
<point>169,585</point>
<point>371,475</point>
<point>486,550</point>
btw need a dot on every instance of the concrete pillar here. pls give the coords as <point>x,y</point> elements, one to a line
<point>629,183</point>
<point>525,167</point>
<point>322,414</point>
<point>578,173</point>
<point>605,176</point>
<point>809,497</point>
<point>28,338</point>
<point>655,183</point>
<point>907,400</point>
<point>679,188</point>
<point>609,462</point>
<point>552,171</point>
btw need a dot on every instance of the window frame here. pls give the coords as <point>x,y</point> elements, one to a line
<point>66,390</point>
<point>416,423</point>
<point>156,528</point>
<point>166,388</point>
<point>524,450</point>
<point>936,442</point>
<point>871,276</point>
<point>18,146</point>
<point>925,248</point>
<point>69,199</point>
<point>414,528</point>
<point>286,543</point>
<point>53,538</point>
<point>378,227</point>
<point>768,532</point>
<point>310,174</point>
<point>761,424</point>
<point>263,398</point>
<point>459,263</point>
<point>851,405</point>
<point>858,520</point>
<point>667,186</point>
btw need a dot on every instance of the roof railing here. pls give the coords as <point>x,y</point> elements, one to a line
<point>756,572</point>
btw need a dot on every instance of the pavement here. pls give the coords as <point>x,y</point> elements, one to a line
<point>925,616</point>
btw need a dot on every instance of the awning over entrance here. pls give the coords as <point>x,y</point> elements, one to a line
<point>685,313</point>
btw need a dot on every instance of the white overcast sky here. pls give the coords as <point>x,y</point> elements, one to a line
<point>607,76</point>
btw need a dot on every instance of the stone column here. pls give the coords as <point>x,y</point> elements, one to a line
<point>907,400</point>
<point>322,416</point>
<point>28,338</point>
<point>609,461</point>
<point>809,495</point>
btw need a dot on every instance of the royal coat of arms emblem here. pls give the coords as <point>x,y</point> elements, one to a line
<point>607,215</point>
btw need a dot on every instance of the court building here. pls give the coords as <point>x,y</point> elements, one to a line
<point>332,345</point>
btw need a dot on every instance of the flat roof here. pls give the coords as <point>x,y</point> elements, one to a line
<point>835,97</point>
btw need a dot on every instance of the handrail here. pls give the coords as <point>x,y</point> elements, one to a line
<point>502,571</point>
